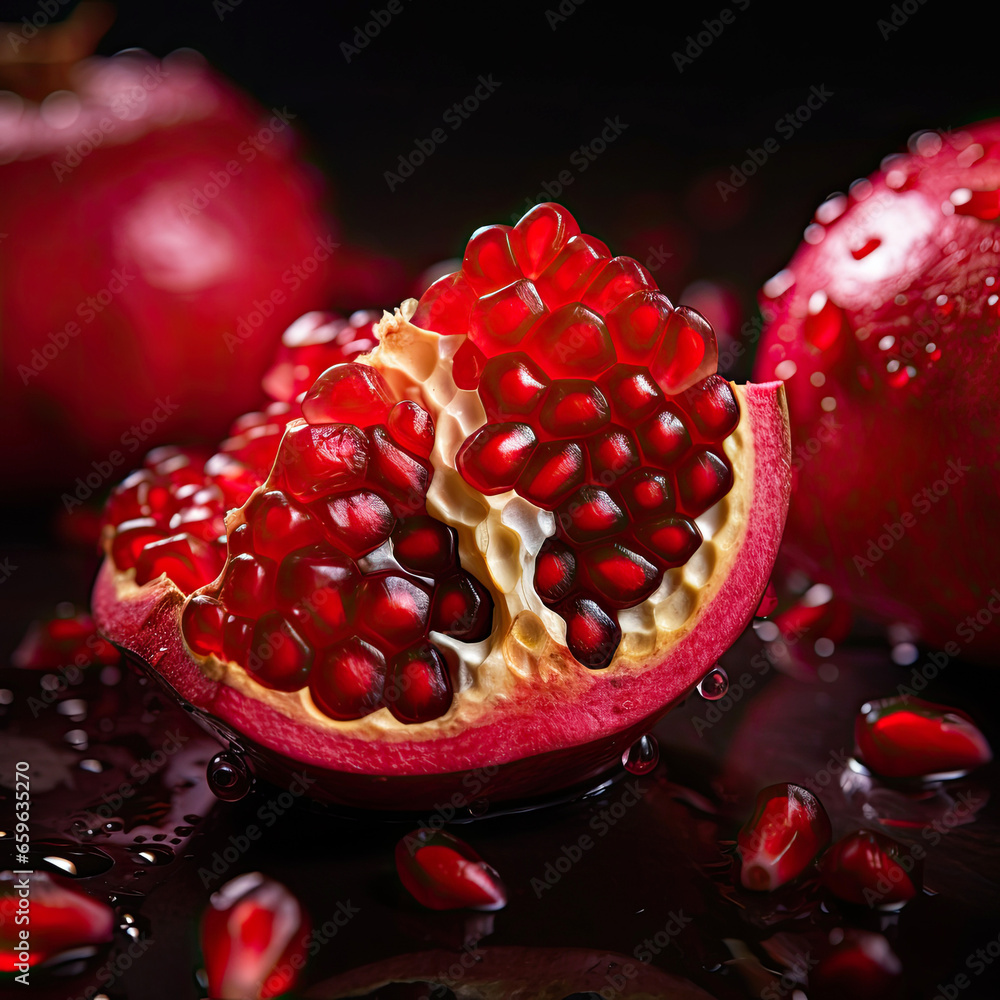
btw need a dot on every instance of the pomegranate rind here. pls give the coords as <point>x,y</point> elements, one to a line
<point>540,737</point>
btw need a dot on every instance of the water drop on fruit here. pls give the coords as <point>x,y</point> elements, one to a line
<point>229,776</point>
<point>642,756</point>
<point>714,684</point>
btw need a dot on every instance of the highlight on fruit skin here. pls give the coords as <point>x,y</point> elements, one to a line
<point>885,327</point>
<point>786,831</point>
<point>523,521</point>
<point>907,737</point>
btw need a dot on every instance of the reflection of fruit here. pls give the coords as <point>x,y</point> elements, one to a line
<point>158,235</point>
<point>441,550</point>
<point>868,868</point>
<point>885,329</point>
<point>515,972</point>
<point>445,873</point>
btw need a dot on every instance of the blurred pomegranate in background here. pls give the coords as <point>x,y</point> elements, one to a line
<point>157,235</point>
<point>885,327</point>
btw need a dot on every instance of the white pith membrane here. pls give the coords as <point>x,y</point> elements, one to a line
<point>498,540</point>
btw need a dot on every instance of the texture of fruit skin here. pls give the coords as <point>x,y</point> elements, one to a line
<point>557,730</point>
<point>148,266</point>
<point>885,328</point>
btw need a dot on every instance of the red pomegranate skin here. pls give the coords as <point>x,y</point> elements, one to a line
<point>158,236</point>
<point>884,326</point>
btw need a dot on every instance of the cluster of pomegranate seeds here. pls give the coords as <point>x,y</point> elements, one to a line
<point>338,575</point>
<point>169,516</point>
<point>442,872</point>
<point>602,406</point>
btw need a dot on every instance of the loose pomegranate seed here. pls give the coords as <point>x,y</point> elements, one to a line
<point>787,829</point>
<point>419,685</point>
<point>256,448</point>
<point>906,737</point>
<point>442,872</point>
<point>868,868</point>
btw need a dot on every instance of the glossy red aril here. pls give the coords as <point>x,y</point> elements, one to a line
<point>869,868</point>
<point>69,639</point>
<point>786,831</point>
<point>254,937</point>
<point>64,921</point>
<point>906,737</point>
<point>885,326</point>
<point>442,872</point>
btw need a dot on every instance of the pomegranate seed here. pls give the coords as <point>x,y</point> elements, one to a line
<point>554,471</point>
<point>622,577</point>
<point>868,868</point>
<point>348,679</point>
<point>613,453</point>
<point>424,545</point>
<point>512,385</point>
<point>637,324</point>
<point>906,737</point>
<point>501,320</point>
<point>236,635</point>
<point>555,572</point>
<point>703,480</point>
<point>442,872</point>
<point>664,438</point>
<point>590,514</point>
<point>467,366</point>
<point>540,235</point>
<point>411,427</point>
<point>823,329</point>
<point>393,608</point>
<point>574,407</point>
<point>592,635</point>
<point>233,478</point>
<point>55,642</point>
<point>248,587</point>
<point>131,537</point>
<point>315,589</point>
<point>253,938</point>
<point>189,562</point>
<point>615,282</point>
<point>278,525</point>
<point>130,498</point>
<point>647,492</point>
<point>240,540</point>
<point>863,966</point>
<point>397,470</point>
<point>673,540</point>
<point>348,394</point>
<point>63,921</point>
<point>633,393</point>
<point>446,307</point>
<point>463,609</point>
<point>572,342</point>
<point>242,424</point>
<point>318,461</point>
<point>256,448</point>
<point>768,602</point>
<point>206,523</point>
<point>201,624</point>
<point>419,687</point>
<point>787,829</point>
<point>714,409</point>
<point>687,354</point>
<point>492,459</point>
<point>489,262</point>
<point>279,657</point>
<point>356,522</point>
<point>565,279</point>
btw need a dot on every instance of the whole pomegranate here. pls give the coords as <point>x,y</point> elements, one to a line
<point>496,537</point>
<point>156,236</point>
<point>884,327</point>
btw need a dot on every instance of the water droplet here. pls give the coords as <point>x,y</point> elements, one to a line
<point>192,818</point>
<point>905,653</point>
<point>478,807</point>
<point>642,756</point>
<point>75,860</point>
<point>75,708</point>
<point>92,765</point>
<point>229,776</point>
<point>183,831</point>
<point>76,738</point>
<point>714,684</point>
<point>153,855</point>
